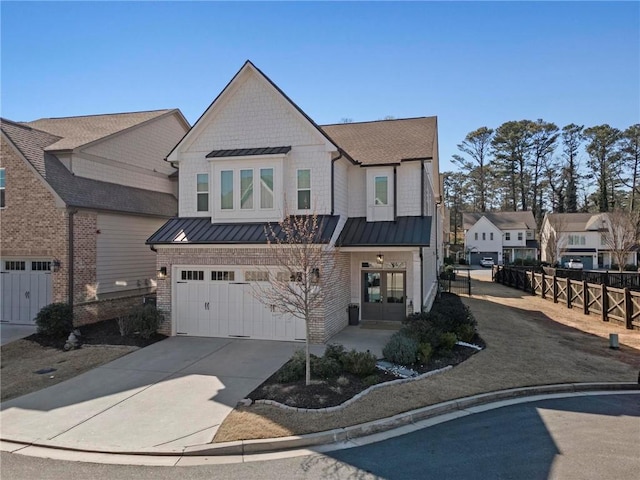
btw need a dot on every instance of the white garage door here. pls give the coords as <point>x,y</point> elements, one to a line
<point>26,288</point>
<point>222,303</point>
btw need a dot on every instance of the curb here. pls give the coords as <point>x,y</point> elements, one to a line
<point>340,435</point>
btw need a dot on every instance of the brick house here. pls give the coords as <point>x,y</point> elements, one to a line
<point>373,186</point>
<point>79,197</point>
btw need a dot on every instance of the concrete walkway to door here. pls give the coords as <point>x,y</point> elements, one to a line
<point>162,398</point>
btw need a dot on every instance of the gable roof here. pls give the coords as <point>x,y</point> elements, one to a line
<point>576,222</point>
<point>502,220</point>
<point>387,141</point>
<point>75,132</point>
<point>83,192</point>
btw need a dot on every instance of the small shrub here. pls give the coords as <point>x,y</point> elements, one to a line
<point>361,364</point>
<point>145,320</point>
<point>447,341</point>
<point>55,320</point>
<point>401,349</point>
<point>424,352</point>
<point>125,325</point>
<point>325,367</point>
<point>370,380</point>
<point>466,332</point>
<point>343,381</point>
<point>335,351</point>
<point>294,369</point>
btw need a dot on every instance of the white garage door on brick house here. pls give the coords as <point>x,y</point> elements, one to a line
<point>26,288</point>
<point>221,302</point>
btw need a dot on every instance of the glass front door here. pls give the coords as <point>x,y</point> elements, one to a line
<point>383,295</point>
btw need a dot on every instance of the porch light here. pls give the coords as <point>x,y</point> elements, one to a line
<point>56,265</point>
<point>380,258</point>
<point>162,273</point>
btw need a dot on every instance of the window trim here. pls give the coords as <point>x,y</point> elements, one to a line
<point>222,193</point>
<point>475,235</point>
<point>375,190</point>
<point>266,189</point>
<point>3,181</point>
<point>241,192</point>
<point>303,189</point>
<point>203,193</point>
<point>507,236</point>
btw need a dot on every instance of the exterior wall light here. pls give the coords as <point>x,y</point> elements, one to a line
<point>56,265</point>
<point>162,273</point>
<point>380,258</point>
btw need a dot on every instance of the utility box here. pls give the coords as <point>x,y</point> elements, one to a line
<point>354,313</point>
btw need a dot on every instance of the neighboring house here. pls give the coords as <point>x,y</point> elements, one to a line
<point>254,156</point>
<point>79,197</point>
<point>503,236</point>
<point>580,236</point>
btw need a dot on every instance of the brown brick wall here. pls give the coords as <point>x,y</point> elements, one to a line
<point>91,312</point>
<point>337,284</point>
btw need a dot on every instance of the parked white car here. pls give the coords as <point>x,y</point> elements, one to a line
<point>574,264</point>
<point>487,262</point>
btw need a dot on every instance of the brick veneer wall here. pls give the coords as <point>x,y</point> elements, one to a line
<point>337,284</point>
<point>323,323</point>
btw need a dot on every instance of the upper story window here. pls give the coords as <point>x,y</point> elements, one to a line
<point>1,187</point>
<point>484,236</point>
<point>475,236</point>
<point>577,240</point>
<point>381,190</point>
<point>507,236</point>
<point>491,236</point>
<point>529,235</point>
<point>202,192</point>
<point>226,190</point>
<point>519,235</point>
<point>246,189</point>
<point>266,188</point>
<point>304,189</point>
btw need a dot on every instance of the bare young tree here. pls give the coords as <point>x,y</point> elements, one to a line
<point>300,260</point>
<point>554,238</point>
<point>620,234</point>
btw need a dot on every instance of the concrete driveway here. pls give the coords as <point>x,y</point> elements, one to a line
<point>10,332</point>
<point>164,397</point>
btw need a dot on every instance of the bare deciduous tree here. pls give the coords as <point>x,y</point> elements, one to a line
<point>620,234</point>
<point>302,266</point>
<point>554,238</point>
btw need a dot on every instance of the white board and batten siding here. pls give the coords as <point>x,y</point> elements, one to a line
<point>124,262</point>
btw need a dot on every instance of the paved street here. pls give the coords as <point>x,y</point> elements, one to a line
<point>581,437</point>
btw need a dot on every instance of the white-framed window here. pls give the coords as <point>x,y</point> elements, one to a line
<point>603,239</point>
<point>507,236</point>
<point>246,189</point>
<point>381,190</point>
<point>226,189</point>
<point>40,266</point>
<point>519,236</point>
<point>2,180</point>
<point>475,236</point>
<point>223,275</point>
<point>577,240</point>
<point>491,236</point>
<point>304,189</point>
<point>256,276</point>
<point>266,188</point>
<point>484,236</point>
<point>14,265</point>
<point>192,274</point>
<point>202,192</point>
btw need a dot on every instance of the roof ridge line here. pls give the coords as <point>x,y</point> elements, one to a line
<point>378,121</point>
<point>104,114</point>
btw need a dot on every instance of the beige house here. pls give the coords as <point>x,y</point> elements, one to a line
<point>255,156</point>
<point>79,197</point>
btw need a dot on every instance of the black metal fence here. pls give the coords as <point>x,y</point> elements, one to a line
<point>630,280</point>
<point>458,282</point>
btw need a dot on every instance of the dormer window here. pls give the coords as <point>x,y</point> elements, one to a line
<point>202,192</point>
<point>381,190</point>
<point>304,189</point>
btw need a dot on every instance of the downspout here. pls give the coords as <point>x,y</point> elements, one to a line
<point>395,194</point>
<point>422,188</point>
<point>333,161</point>
<point>70,275</point>
<point>421,279</point>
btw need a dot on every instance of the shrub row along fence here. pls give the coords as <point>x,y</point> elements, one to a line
<point>621,305</point>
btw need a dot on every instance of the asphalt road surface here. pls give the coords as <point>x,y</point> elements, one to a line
<point>583,437</point>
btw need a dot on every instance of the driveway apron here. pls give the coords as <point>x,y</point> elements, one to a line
<point>167,396</point>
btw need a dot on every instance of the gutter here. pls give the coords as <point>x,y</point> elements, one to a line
<point>333,161</point>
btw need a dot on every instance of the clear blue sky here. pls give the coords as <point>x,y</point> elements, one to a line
<point>471,64</point>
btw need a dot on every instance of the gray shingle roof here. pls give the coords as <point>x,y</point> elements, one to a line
<point>84,192</point>
<point>502,220</point>
<point>575,222</point>
<point>241,152</point>
<point>200,230</point>
<point>77,131</point>
<point>386,141</point>
<point>405,231</point>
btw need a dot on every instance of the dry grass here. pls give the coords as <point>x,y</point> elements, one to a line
<point>530,341</point>
<point>20,359</point>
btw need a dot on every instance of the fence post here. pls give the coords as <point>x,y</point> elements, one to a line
<point>628,308</point>
<point>469,282</point>
<point>568,292</point>
<point>555,289</point>
<point>585,297</point>
<point>605,302</point>
<point>542,294</point>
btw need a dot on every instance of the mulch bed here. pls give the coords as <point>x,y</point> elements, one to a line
<point>332,392</point>
<point>105,332</point>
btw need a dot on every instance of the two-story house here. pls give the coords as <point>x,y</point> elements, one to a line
<point>580,236</point>
<point>79,197</point>
<point>504,236</point>
<point>255,156</point>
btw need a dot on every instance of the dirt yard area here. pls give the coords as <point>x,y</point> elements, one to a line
<point>530,341</point>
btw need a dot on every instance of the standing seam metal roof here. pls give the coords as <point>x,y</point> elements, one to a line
<point>404,231</point>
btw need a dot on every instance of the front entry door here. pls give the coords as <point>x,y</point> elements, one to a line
<point>383,295</point>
